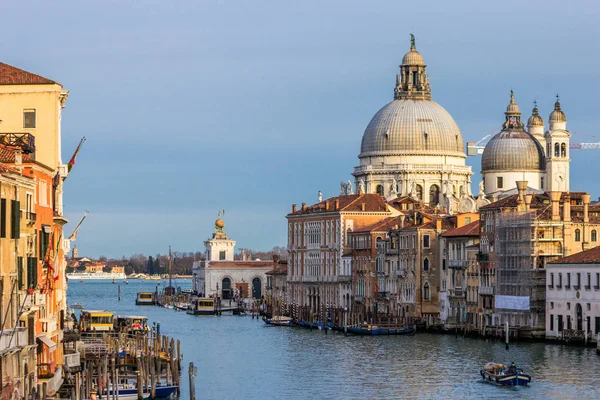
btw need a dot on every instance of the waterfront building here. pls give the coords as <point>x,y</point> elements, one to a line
<point>17,274</point>
<point>573,297</point>
<point>219,275</point>
<point>519,235</point>
<point>31,134</point>
<point>277,287</point>
<point>319,261</point>
<point>460,279</point>
<point>413,147</point>
<point>515,154</point>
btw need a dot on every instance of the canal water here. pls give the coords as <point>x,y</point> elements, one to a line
<point>241,358</point>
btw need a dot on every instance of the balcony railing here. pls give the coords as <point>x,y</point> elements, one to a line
<point>12,339</point>
<point>486,290</point>
<point>73,360</point>
<point>458,263</point>
<point>587,287</point>
<point>49,325</point>
<point>576,287</point>
<point>46,370</point>
<point>23,141</point>
<point>457,292</point>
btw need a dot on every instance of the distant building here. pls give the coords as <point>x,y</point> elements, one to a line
<point>573,297</point>
<point>219,275</point>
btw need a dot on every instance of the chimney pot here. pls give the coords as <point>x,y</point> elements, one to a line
<point>337,204</point>
<point>555,197</point>
<point>362,206</point>
<point>567,209</point>
<point>303,206</point>
<point>293,208</point>
<point>586,202</point>
<point>326,206</point>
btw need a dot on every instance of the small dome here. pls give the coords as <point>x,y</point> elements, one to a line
<point>413,57</point>
<point>535,119</point>
<point>513,151</point>
<point>219,223</point>
<point>557,115</point>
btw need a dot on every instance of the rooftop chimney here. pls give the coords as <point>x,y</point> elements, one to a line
<point>528,198</point>
<point>337,204</point>
<point>522,189</point>
<point>303,206</point>
<point>326,206</point>
<point>555,197</point>
<point>362,206</point>
<point>402,216</point>
<point>438,225</point>
<point>293,208</point>
<point>275,258</point>
<point>567,209</point>
<point>586,202</point>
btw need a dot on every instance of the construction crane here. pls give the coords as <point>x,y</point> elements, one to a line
<point>476,148</point>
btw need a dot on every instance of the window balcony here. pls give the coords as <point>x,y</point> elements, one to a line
<point>576,287</point>
<point>12,339</point>
<point>458,264</point>
<point>457,292</point>
<point>486,290</point>
<point>46,370</point>
<point>73,360</point>
<point>587,287</point>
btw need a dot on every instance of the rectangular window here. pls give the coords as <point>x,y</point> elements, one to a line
<point>568,285</point>
<point>15,219</point>
<point>467,220</point>
<point>20,272</point>
<point>597,324</point>
<point>499,182</point>
<point>31,272</point>
<point>559,281</point>
<point>542,183</point>
<point>43,189</point>
<point>551,285</point>
<point>560,323</point>
<point>597,281</point>
<point>222,255</point>
<point>551,322</point>
<point>3,218</point>
<point>29,118</point>
<point>578,281</point>
<point>425,241</point>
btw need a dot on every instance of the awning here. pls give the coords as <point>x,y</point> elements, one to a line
<point>47,341</point>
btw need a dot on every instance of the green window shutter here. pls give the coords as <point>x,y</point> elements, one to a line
<point>20,272</point>
<point>31,272</point>
<point>3,218</point>
<point>15,220</point>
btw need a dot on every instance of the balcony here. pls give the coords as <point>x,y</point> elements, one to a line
<point>12,340</point>
<point>310,278</point>
<point>46,370</point>
<point>596,287</point>
<point>49,325</point>
<point>73,360</point>
<point>576,287</point>
<point>344,278</point>
<point>458,264</point>
<point>23,141</point>
<point>486,290</point>
<point>587,287</point>
<point>457,292</point>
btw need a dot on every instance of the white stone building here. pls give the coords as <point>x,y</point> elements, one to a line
<point>219,275</point>
<point>412,146</point>
<point>573,297</point>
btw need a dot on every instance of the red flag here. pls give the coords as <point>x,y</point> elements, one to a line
<point>74,156</point>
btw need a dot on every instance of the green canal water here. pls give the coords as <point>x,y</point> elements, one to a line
<point>241,358</point>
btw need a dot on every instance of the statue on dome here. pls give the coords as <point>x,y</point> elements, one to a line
<point>394,186</point>
<point>412,42</point>
<point>349,189</point>
<point>320,196</point>
<point>481,189</point>
<point>361,185</point>
<point>343,188</point>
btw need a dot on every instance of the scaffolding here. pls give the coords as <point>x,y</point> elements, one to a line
<point>517,271</point>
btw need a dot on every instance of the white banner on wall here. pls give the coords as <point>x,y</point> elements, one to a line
<point>512,302</point>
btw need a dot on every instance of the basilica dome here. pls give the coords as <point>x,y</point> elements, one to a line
<point>406,126</point>
<point>513,149</point>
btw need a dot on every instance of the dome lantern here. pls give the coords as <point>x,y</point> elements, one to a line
<point>535,119</point>
<point>557,115</point>
<point>412,82</point>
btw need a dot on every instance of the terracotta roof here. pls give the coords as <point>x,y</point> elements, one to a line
<point>10,75</point>
<point>8,169</point>
<point>471,229</point>
<point>242,264</point>
<point>537,201</point>
<point>382,226</point>
<point>350,203</point>
<point>281,269</point>
<point>591,256</point>
<point>8,156</point>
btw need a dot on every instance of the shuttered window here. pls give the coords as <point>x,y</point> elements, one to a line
<point>32,272</point>
<point>15,219</point>
<point>3,218</point>
<point>20,272</point>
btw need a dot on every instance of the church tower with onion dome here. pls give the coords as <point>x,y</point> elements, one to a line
<point>413,147</point>
<point>558,155</point>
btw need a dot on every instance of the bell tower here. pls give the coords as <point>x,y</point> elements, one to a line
<point>557,150</point>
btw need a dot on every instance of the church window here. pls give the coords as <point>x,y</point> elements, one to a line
<point>380,190</point>
<point>499,182</point>
<point>577,235</point>
<point>434,195</point>
<point>556,150</point>
<point>222,255</point>
<point>426,291</point>
<point>426,264</point>
<point>563,150</point>
<point>594,236</point>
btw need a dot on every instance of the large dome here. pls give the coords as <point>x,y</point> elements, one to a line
<point>513,151</point>
<point>406,127</point>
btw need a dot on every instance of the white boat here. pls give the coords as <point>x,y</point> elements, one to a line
<point>96,275</point>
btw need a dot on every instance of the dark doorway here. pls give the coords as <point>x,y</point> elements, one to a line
<point>226,289</point>
<point>256,288</point>
<point>579,317</point>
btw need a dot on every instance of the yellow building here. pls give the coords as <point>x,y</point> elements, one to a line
<point>30,136</point>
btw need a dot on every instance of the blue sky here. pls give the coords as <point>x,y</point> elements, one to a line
<point>249,106</point>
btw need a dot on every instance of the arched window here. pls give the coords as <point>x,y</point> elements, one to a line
<point>419,189</point>
<point>556,150</point>
<point>594,236</point>
<point>563,150</point>
<point>426,264</point>
<point>434,195</point>
<point>380,190</point>
<point>426,291</point>
<point>577,235</point>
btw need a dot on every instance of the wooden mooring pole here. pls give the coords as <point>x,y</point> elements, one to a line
<point>192,375</point>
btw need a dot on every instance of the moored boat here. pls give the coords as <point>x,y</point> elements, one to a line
<point>201,306</point>
<point>502,375</point>
<point>278,320</point>
<point>145,299</point>
<point>77,306</point>
<point>367,329</point>
<point>127,393</point>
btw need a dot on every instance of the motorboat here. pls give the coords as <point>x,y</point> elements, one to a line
<point>77,306</point>
<point>369,329</point>
<point>278,320</point>
<point>130,392</point>
<point>145,299</point>
<point>502,375</point>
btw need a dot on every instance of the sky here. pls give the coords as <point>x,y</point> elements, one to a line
<point>190,107</point>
